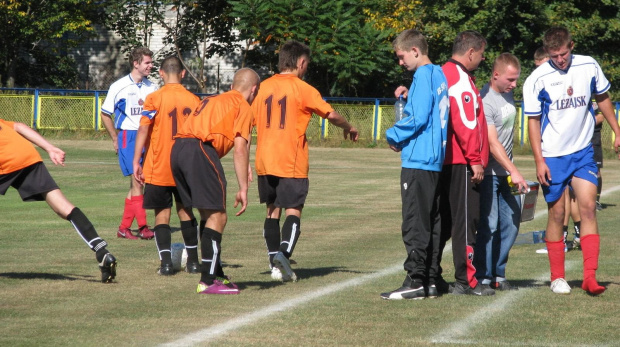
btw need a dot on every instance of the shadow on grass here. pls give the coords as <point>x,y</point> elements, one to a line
<point>45,276</point>
<point>301,275</point>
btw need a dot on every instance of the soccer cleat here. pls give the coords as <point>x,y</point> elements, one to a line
<point>442,286</point>
<point>192,268</point>
<point>503,286</point>
<point>599,206</point>
<point>276,274</point>
<point>281,262</point>
<point>479,290</point>
<point>405,292</point>
<point>166,270</point>
<point>431,291</point>
<point>125,233</point>
<point>559,286</point>
<point>218,287</point>
<point>226,281</point>
<point>145,233</point>
<point>108,268</point>
<point>576,242</point>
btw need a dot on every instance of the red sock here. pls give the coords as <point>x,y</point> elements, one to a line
<point>555,250</point>
<point>590,247</point>
<point>138,210</point>
<point>128,215</point>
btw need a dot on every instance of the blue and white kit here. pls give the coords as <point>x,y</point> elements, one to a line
<point>563,99</point>
<point>125,100</point>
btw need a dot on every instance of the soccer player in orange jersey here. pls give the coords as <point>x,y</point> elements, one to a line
<point>219,123</point>
<point>282,111</point>
<point>164,112</point>
<point>22,168</point>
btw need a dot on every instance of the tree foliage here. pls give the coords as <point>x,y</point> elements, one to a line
<point>203,27</point>
<point>35,36</point>
<point>349,54</point>
<point>134,20</point>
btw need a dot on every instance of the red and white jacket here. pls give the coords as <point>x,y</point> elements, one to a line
<point>468,141</point>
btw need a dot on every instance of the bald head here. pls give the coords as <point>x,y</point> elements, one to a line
<point>246,82</point>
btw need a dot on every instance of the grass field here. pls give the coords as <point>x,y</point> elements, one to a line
<point>350,251</point>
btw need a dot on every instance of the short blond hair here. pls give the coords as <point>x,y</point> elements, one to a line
<point>410,38</point>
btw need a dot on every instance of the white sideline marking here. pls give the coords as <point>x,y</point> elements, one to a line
<point>457,329</point>
<point>218,330</point>
<point>457,332</point>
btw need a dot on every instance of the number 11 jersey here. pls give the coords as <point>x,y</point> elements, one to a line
<point>282,111</point>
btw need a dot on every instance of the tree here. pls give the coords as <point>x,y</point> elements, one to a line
<point>349,54</point>
<point>36,33</point>
<point>134,20</point>
<point>203,27</point>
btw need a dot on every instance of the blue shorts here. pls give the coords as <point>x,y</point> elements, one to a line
<point>579,164</point>
<point>126,146</point>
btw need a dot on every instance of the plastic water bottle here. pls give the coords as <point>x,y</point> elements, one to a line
<point>399,106</point>
<point>514,189</point>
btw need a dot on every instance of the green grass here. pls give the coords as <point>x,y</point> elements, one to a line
<point>51,295</point>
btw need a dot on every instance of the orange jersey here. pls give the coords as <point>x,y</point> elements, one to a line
<point>165,110</point>
<point>219,119</point>
<point>283,108</point>
<point>16,152</point>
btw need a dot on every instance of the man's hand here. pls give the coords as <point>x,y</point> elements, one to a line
<point>57,156</point>
<point>137,173</point>
<point>352,133</point>
<point>401,90</point>
<point>395,149</point>
<point>241,197</point>
<point>543,174</point>
<point>477,173</point>
<point>519,181</point>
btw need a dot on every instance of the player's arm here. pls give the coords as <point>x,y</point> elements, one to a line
<point>143,132</point>
<point>56,154</point>
<point>499,153</point>
<point>349,131</point>
<point>108,123</point>
<point>542,170</point>
<point>241,161</point>
<point>606,107</point>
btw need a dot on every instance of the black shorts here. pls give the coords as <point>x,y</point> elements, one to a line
<point>198,174</point>
<point>31,182</point>
<point>597,146</point>
<point>159,197</point>
<point>283,192</point>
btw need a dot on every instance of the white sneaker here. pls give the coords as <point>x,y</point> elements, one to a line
<point>276,274</point>
<point>281,262</point>
<point>559,286</point>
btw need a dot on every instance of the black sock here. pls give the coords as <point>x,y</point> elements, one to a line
<point>201,227</point>
<point>190,238</point>
<point>599,188</point>
<point>88,233</point>
<point>271,233</point>
<point>290,235</point>
<point>210,246</point>
<point>163,240</point>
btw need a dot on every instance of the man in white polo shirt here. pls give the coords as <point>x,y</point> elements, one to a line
<point>557,99</point>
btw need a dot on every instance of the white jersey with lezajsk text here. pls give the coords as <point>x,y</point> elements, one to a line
<point>124,102</point>
<point>563,100</point>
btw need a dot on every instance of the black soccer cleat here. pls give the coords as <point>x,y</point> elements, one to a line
<point>479,290</point>
<point>192,268</point>
<point>405,292</point>
<point>108,268</point>
<point>166,270</point>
